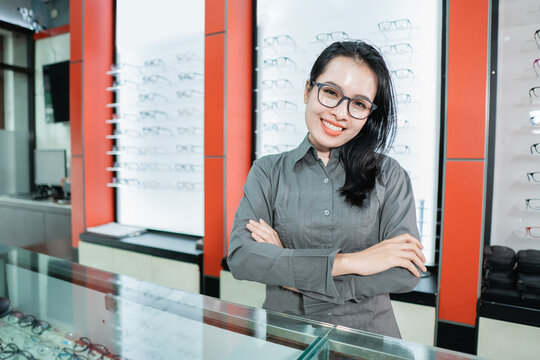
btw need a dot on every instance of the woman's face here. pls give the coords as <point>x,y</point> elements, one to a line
<point>332,127</point>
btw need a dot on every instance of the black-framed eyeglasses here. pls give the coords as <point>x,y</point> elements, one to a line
<point>331,96</point>
<point>535,148</point>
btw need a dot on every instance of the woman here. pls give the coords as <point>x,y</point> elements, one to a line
<point>330,226</point>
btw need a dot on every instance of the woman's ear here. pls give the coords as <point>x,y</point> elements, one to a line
<point>306,91</point>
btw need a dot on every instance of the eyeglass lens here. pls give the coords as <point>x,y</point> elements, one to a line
<point>331,96</point>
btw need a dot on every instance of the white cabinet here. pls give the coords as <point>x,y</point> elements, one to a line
<point>167,272</point>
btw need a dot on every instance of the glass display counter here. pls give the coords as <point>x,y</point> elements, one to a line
<point>62,310</point>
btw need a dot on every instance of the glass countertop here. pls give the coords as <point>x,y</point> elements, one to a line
<point>63,310</point>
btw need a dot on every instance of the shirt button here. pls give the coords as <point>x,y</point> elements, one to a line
<point>329,312</point>
<point>326,212</point>
<point>326,181</point>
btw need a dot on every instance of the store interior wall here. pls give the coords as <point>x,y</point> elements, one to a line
<point>57,135</point>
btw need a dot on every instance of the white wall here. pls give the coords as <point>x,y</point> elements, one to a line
<point>50,135</point>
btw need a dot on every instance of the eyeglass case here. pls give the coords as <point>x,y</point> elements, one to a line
<point>497,257</point>
<point>500,279</point>
<point>528,283</point>
<point>528,261</point>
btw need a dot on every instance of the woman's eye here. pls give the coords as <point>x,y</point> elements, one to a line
<point>330,92</point>
<point>359,104</point>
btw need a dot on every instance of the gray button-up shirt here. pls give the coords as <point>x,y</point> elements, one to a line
<point>300,197</point>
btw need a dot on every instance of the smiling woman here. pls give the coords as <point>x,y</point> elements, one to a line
<point>330,226</point>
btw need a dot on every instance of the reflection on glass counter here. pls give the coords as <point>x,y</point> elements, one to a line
<point>62,310</point>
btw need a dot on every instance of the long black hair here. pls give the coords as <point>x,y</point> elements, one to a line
<point>361,156</point>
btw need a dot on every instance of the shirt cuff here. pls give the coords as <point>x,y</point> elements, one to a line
<point>313,270</point>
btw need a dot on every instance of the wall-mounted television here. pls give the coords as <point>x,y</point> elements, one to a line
<point>56,91</point>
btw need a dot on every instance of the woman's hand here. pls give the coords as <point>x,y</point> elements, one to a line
<point>262,232</point>
<point>401,251</point>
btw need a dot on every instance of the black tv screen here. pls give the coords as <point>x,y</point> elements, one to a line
<point>56,91</point>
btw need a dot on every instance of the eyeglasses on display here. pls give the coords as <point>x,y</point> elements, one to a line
<point>93,351</point>
<point>534,92</point>
<point>276,84</point>
<point>190,111</point>
<point>534,176</point>
<point>188,167</point>
<point>280,105</point>
<point>533,204</point>
<point>155,79</point>
<point>537,38</point>
<point>284,127</point>
<point>188,148</point>
<point>189,131</point>
<point>189,93</point>
<point>134,166</point>
<point>536,66</point>
<point>533,231</point>
<point>136,150</point>
<point>152,97</point>
<point>28,321</point>
<point>403,73</point>
<point>187,57</point>
<point>400,49</point>
<point>535,148</point>
<point>331,96</point>
<point>281,61</point>
<point>12,351</point>
<point>192,75</point>
<point>403,98</point>
<point>393,25</point>
<point>332,36</point>
<point>279,40</point>
<point>401,149</point>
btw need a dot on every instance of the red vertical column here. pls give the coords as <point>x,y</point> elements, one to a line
<point>75,120</point>
<point>239,100</point>
<point>214,136</point>
<point>92,46</point>
<point>228,51</point>
<point>468,37</point>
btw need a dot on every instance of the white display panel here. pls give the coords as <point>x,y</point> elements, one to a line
<point>290,35</point>
<point>516,221</point>
<point>159,122</point>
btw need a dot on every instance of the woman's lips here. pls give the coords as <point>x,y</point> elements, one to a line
<point>330,128</point>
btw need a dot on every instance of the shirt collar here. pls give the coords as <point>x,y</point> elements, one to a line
<point>304,147</point>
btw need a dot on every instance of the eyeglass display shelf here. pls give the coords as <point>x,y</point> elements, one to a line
<point>134,319</point>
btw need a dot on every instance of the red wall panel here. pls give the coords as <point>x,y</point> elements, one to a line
<point>98,57</point>
<point>75,107</point>
<point>239,67</point>
<point>213,215</point>
<point>214,82</point>
<point>462,236</point>
<point>75,29</point>
<point>214,20</point>
<point>467,78</point>
<point>77,199</point>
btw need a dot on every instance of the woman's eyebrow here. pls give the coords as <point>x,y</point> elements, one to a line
<point>359,96</point>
